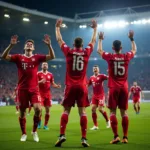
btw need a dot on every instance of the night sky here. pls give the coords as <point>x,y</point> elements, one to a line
<point>68,8</point>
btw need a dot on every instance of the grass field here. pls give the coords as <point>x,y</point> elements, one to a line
<point>139,131</point>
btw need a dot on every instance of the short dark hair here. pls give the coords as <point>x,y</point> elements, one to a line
<point>96,66</point>
<point>29,40</point>
<point>117,45</point>
<point>78,42</point>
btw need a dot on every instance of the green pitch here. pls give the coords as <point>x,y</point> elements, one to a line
<point>139,131</point>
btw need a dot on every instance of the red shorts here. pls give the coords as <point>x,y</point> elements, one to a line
<point>46,100</point>
<point>27,97</point>
<point>76,94</point>
<point>118,97</point>
<point>136,99</point>
<point>98,100</point>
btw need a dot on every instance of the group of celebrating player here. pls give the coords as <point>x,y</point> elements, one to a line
<point>34,86</point>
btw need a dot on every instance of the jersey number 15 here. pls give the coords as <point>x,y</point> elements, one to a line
<point>119,69</point>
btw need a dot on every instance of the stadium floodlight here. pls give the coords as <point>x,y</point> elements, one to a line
<point>132,22</point>
<point>139,22</point>
<point>121,24</point>
<point>80,26</point>
<point>83,26</point>
<point>6,15</point>
<point>100,25</point>
<point>144,21</point>
<point>148,20</point>
<point>26,19</point>
<point>107,25</point>
<point>46,22</point>
<point>64,25</point>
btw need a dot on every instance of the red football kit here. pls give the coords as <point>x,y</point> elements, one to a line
<point>118,78</point>
<point>135,90</point>
<point>16,93</point>
<point>98,97</point>
<point>76,80</point>
<point>27,78</point>
<point>44,88</point>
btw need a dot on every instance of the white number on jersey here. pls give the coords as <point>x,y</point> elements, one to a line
<point>78,63</point>
<point>118,68</point>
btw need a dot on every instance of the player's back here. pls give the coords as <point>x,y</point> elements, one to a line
<point>118,68</point>
<point>76,64</point>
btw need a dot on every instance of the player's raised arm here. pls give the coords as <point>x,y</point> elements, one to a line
<point>100,47</point>
<point>94,26</point>
<point>51,54</point>
<point>58,34</point>
<point>13,41</point>
<point>133,45</point>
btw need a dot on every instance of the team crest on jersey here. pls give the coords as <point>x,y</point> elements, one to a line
<point>22,59</point>
<point>65,45</point>
<point>33,59</point>
<point>97,78</point>
<point>41,76</point>
<point>49,77</point>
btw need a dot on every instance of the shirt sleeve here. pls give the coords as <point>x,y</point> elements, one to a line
<point>89,49</point>
<point>105,77</point>
<point>38,76</point>
<point>106,56</point>
<point>140,89</point>
<point>130,55</point>
<point>41,58</point>
<point>52,78</point>
<point>89,82</point>
<point>131,89</point>
<point>65,49</point>
<point>14,58</point>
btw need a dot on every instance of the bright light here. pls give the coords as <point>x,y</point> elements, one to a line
<point>148,20</point>
<point>64,25</point>
<point>122,24</point>
<point>139,22</point>
<point>26,19</point>
<point>107,25</point>
<point>132,22</point>
<point>100,25</point>
<point>6,15</point>
<point>83,26</point>
<point>95,58</point>
<point>46,22</point>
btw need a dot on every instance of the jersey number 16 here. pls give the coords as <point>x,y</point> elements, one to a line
<point>78,63</point>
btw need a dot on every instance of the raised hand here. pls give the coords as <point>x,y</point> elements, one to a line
<point>101,35</point>
<point>58,86</point>
<point>93,24</point>
<point>131,34</point>
<point>47,39</point>
<point>59,22</point>
<point>14,40</point>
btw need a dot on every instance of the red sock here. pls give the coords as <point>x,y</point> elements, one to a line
<point>94,117</point>
<point>35,124</point>
<point>83,124</point>
<point>17,108</point>
<point>105,116</point>
<point>22,122</point>
<point>114,124</point>
<point>29,109</point>
<point>46,119</point>
<point>135,108</point>
<point>63,123</point>
<point>138,108</point>
<point>125,124</point>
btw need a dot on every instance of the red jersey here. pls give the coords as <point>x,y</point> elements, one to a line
<point>77,62</point>
<point>118,68</point>
<point>97,84</point>
<point>135,90</point>
<point>27,69</point>
<point>45,87</point>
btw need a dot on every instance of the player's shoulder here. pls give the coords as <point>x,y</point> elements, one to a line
<point>39,72</point>
<point>49,73</point>
<point>138,87</point>
<point>102,75</point>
